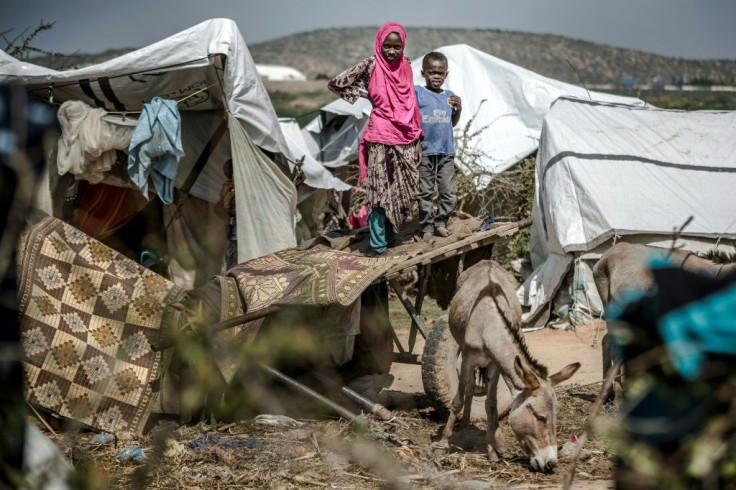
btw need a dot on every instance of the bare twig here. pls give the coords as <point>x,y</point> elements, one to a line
<point>593,411</point>
<point>43,421</point>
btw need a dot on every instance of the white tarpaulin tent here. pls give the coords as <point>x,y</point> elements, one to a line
<point>313,170</point>
<point>503,103</point>
<point>606,170</point>
<point>334,135</point>
<point>209,70</point>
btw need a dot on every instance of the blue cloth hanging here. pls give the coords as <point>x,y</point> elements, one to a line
<point>708,325</point>
<point>155,148</point>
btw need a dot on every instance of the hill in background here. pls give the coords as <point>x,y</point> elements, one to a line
<point>325,53</point>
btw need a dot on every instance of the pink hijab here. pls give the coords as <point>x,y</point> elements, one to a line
<point>395,118</point>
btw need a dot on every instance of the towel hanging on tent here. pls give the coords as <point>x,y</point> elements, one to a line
<point>88,141</point>
<point>155,148</point>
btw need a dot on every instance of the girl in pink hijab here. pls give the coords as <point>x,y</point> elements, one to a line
<point>390,147</point>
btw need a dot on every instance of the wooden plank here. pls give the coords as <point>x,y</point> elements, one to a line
<point>418,306</point>
<point>469,243</point>
<point>409,309</point>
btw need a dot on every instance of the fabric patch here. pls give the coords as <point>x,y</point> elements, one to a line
<point>75,322</point>
<point>45,306</point>
<point>82,288</point>
<point>114,298</point>
<point>136,345</point>
<point>51,277</point>
<point>49,395</point>
<point>105,336</point>
<point>96,369</point>
<point>65,354</point>
<point>34,341</point>
<point>127,381</point>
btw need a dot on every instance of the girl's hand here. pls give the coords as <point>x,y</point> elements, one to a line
<point>366,96</point>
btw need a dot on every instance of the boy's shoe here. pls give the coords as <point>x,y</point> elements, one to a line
<point>426,236</point>
<point>442,231</point>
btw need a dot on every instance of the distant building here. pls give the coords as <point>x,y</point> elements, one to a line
<point>279,73</point>
<point>628,82</point>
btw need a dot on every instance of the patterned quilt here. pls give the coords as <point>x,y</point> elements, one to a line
<point>88,317</point>
<point>316,276</point>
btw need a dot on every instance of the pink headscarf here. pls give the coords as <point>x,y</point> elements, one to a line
<point>395,118</point>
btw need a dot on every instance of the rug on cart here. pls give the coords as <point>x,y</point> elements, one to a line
<point>316,277</point>
<point>88,318</point>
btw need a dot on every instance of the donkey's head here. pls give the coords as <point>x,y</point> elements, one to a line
<point>533,415</point>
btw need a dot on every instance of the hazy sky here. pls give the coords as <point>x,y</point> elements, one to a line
<point>696,29</point>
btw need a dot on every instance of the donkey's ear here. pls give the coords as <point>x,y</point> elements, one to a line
<point>527,376</point>
<point>564,373</point>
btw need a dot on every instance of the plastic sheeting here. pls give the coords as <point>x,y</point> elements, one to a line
<point>123,83</point>
<point>606,170</point>
<point>209,70</point>
<point>179,66</point>
<point>264,187</point>
<point>315,173</point>
<point>503,107</point>
<point>333,137</point>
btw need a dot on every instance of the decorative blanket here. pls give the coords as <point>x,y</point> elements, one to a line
<point>88,317</point>
<point>316,276</point>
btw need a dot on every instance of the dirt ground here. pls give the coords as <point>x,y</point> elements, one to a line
<point>332,453</point>
<point>554,348</point>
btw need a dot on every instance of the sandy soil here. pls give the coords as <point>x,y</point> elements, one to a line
<point>325,452</point>
<point>554,348</point>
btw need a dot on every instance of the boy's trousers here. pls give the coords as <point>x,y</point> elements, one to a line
<point>439,170</point>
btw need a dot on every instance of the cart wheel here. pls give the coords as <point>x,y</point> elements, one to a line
<point>440,373</point>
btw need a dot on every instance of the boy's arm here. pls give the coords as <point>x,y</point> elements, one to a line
<point>456,104</point>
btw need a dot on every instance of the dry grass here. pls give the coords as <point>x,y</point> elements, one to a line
<point>329,453</point>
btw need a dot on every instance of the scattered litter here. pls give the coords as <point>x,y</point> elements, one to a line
<point>102,438</point>
<point>277,421</point>
<point>132,452</point>
<point>173,449</point>
<point>487,224</point>
<point>569,448</point>
<point>336,461</point>
<point>266,456</point>
<point>125,436</point>
<point>299,435</point>
<point>221,473</point>
<point>212,440</point>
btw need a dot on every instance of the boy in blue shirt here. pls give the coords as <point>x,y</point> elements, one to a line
<point>440,110</point>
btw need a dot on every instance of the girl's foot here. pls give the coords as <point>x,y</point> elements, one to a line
<point>442,231</point>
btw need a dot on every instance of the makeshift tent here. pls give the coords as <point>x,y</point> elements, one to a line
<point>503,107</point>
<point>608,171</point>
<point>226,113</point>
<point>280,73</point>
<point>334,135</point>
<point>313,170</point>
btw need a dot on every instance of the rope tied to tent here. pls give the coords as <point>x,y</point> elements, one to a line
<point>179,101</point>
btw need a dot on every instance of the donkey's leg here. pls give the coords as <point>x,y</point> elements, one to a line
<point>495,446</point>
<point>455,408</point>
<point>469,391</point>
<point>610,359</point>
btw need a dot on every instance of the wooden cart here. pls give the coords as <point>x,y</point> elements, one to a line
<point>441,356</point>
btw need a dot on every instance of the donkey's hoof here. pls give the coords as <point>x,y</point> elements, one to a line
<point>439,448</point>
<point>494,456</point>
